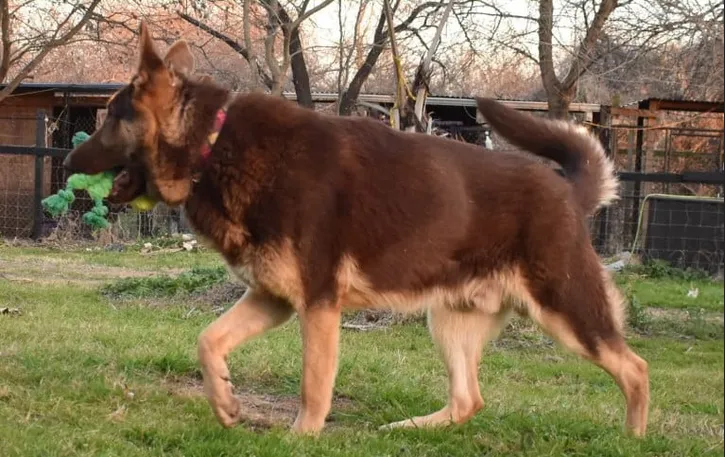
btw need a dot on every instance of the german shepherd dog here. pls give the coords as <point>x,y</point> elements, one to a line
<point>319,213</point>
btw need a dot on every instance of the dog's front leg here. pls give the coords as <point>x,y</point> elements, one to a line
<point>256,312</point>
<point>320,339</point>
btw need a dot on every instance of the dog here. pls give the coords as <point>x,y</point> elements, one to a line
<point>320,213</point>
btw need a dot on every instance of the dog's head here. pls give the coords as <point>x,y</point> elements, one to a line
<point>142,137</point>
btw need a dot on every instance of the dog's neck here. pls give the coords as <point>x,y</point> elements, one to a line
<point>203,118</point>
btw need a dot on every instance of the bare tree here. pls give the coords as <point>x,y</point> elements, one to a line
<point>282,43</point>
<point>560,92</point>
<point>25,41</point>
<point>348,50</point>
<point>416,118</point>
<point>568,42</point>
<point>291,47</point>
<point>416,21</point>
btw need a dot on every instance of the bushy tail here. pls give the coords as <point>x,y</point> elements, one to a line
<point>578,152</point>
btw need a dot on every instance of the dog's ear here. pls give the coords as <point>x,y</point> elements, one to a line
<point>179,59</point>
<point>149,60</point>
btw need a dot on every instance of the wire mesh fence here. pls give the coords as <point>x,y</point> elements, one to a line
<point>17,174</point>
<point>684,230</point>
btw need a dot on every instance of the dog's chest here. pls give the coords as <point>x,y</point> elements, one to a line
<point>243,272</point>
<point>272,268</point>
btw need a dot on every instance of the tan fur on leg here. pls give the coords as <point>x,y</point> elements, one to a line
<point>628,370</point>
<point>632,376</point>
<point>460,336</point>
<point>253,314</point>
<point>320,339</point>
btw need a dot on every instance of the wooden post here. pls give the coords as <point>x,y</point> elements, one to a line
<point>39,156</point>
<point>604,120</point>
<point>637,194</point>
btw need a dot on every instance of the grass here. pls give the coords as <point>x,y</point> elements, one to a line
<point>193,281</point>
<point>82,373</point>
<point>659,285</point>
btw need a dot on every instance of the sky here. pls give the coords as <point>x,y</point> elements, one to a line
<point>325,32</point>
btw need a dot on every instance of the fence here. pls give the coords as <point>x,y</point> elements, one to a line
<point>685,230</point>
<point>656,216</point>
<point>29,173</point>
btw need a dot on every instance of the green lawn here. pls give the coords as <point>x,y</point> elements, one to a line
<point>64,362</point>
<point>669,293</point>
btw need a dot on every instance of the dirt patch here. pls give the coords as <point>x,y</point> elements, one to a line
<point>366,320</point>
<point>259,411</point>
<point>683,315</point>
<point>220,295</point>
<point>67,271</point>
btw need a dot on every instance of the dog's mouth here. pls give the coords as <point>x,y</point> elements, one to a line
<point>129,183</point>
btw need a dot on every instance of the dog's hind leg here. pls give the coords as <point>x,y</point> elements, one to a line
<point>460,336</point>
<point>254,313</point>
<point>589,324</point>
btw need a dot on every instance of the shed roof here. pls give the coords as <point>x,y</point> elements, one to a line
<point>321,97</point>
<point>675,104</point>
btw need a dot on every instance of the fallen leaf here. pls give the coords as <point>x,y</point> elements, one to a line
<point>127,392</point>
<point>118,414</point>
<point>15,311</point>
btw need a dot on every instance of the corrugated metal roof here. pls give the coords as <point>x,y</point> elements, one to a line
<point>322,97</point>
<point>678,104</point>
<point>99,88</point>
<point>452,101</point>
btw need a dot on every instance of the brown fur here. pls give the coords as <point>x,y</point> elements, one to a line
<point>319,213</point>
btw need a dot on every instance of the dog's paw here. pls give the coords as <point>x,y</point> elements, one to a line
<point>228,412</point>
<point>408,423</point>
<point>306,426</point>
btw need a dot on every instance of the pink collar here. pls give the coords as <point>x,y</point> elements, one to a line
<point>219,119</point>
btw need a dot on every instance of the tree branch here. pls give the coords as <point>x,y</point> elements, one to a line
<point>546,58</point>
<point>5,36</point>
<point>229,41</point>
<point>251,57</point>
<point>582,59</point>
<point>55,42</point>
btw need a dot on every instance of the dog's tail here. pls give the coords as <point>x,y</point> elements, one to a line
<point>578,152</point>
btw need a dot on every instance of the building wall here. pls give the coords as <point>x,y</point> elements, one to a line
<point>17,182</point>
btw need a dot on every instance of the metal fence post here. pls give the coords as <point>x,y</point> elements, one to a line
<point>604,121</point>
<point>38,194</point>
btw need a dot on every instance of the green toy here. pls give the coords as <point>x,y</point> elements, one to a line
<point>98,187</point>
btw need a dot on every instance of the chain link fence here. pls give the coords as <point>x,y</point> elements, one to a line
<point>17,180</point>
<point>32,149</point>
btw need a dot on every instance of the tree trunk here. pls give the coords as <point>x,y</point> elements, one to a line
<point>300,76</point>
<point>349,97</point>
<point>560,93</point>
<point>559,102</point>
<point>418,120</point>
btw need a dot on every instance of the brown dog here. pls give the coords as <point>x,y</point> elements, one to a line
<point>319,213</point>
